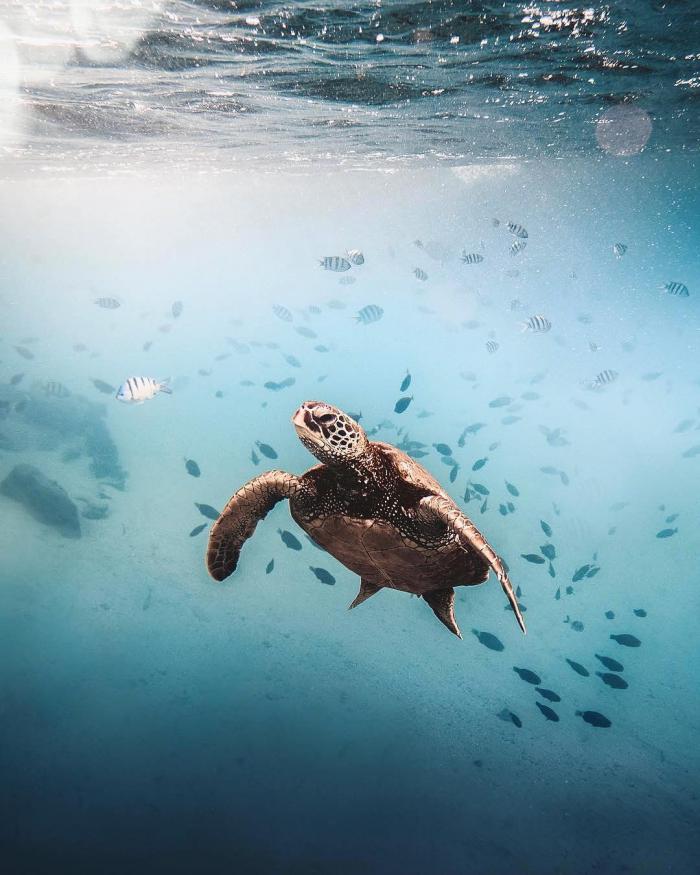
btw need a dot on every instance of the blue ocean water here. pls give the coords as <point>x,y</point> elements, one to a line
<point>152,720</point>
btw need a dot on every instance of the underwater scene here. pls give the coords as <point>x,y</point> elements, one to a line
<point>390,306</point>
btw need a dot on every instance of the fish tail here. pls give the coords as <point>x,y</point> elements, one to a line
<point>164,386</point>
<point>523,327</point>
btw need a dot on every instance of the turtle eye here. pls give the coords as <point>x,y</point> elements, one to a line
<point>326,418</point>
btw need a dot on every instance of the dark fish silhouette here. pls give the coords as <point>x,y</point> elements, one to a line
<point>595,719</point>
<point>266,450</point>
<point>550,695</point>
<point>501,401</point>
<point>580,573</point>
<point>639,612</point>
<point>24,352</point>
<point>552,572</point>
<point>666,533</point>
<point>512,489</point>
<point>508,717</point>
<point>613,680</point>
<point>254,458</point>
<point>627,640</point>
<point>208,511</point>
<point>578,668</point>
<point>289,540</point>
<point>529,676</point>
<point>17,379</point>
<point>548,712</point>
<point>443,449</point>
<point>270,565</point>
<point>323,575</point>
<point>402,403</point>
<point>610,663</point>
<point>479,464</point>
<point>548,551</point>
<point>405,383</point>
<point>192,468</point>
<point>546,528</point>
<point>197,529</point>
<point>489,640</point>
<point>105,388</point>
<point>610,615</point>
<point>533,557</point>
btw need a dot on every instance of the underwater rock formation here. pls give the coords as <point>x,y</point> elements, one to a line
<point>47,502</point>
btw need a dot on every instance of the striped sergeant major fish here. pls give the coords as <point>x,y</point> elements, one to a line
<point>491,346</point>
<point>53,389</point>
<point>107,303</point>
<point>136,390</point>
<point>536,324</point>
<point>355,256</point>
<point>471,257</point>
<point>604,378</point>
<point>334,262</point>
<point>619,250</point>
<point>679,289</point>
<point>370,313</point>
<point>517,246</point>
<point>517,230</point>
<point>420,274</point>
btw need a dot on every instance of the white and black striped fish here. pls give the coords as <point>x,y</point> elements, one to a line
<point>355,256</point>
<point>491,346</point>
<point>619,250</point>
<point>517,230</point>
<point>604,378</point>
<point>282,313</point>
<point>136,390</point>
<point>420,274</point>
<point>347,280</point>
<point>471,257</point>
<point>370,313</point>
<point>107,303</point>
<point>679,289</point>
<point>54,389</point>
<point>517,246</point>
<point>334,262</point>
<point>536,324</point>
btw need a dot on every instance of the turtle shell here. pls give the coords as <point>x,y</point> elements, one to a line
<point>385,542</point>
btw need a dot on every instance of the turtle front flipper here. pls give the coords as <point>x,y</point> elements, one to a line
<point>470,538</point>
<point>442,601</point>
<point>239,518</point>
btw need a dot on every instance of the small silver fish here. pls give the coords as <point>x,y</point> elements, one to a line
<point>136,390</point>
<point>619,250</point>
<point>355,256</point>
<point>491,346</point>
<point>347,280</point>
<point>420,274</point>
<point>517,246</point>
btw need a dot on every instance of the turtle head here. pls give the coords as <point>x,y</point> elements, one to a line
<point>331,435</point>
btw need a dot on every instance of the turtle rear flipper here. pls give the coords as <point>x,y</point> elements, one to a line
<point>238,520</point>
<point>470,538</point>
<point>442,601</point>
<point>367,589</point>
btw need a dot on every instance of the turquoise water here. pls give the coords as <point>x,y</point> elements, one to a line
<point>152,720</point>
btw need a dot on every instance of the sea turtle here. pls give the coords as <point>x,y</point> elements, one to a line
<point>372,507</point>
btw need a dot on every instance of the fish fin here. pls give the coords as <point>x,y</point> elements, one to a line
<point>238,520</point>
<point>367,590</point>
<point>523,327</point>
<point>164,386</point>
<point>442,601</point>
